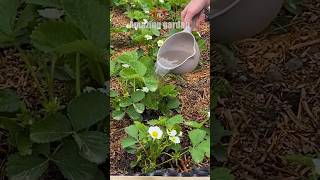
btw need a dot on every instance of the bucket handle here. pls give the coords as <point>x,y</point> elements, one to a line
<point>225,9</point>
<point>188,27</point>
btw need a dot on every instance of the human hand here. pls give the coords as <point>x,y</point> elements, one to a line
<point>193,10</point>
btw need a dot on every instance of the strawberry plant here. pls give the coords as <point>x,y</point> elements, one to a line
<point>143,36</point>
<point>162,139</point>
<point>64,41</point>
<point>36,137</point>
<point>141,88</point>
<point>310,161</point>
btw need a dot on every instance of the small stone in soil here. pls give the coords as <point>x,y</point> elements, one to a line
<point>202,173</point>
<point>158,173</point>
<point>186,174</point>
<point>203,169</point>
<point>243,78</point>
<point>137,174</point>
<point>294,64</point>
<point>172,172</point>
<point>194,170</point>
<point>274,74</point>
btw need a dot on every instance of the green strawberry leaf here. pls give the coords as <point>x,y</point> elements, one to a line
<point>133,114</point>
<point>127,142</point>
<point>118,114</point>
<point>173,103</point>
<point>72,165</point>
<point>90,18</point>
<point>155,32</point>
<point>139,67</point>
<point>193,124</point>
<point>87,109</point>
<point>151,83</point>
<point>300,159</point>
<point>174,120</point>
<point>51,35</point>
<point>126,57</point>
<point>168,90</point>
<point>204,146</point>
<point>26,167</point>
<point>52,128</point>
<point>222,173</point>
<point>138,15</point>
<point>197,155</point>
<point>93,145</point>
<point>139,107</point>
<point>24,144</point>
<point>142,129</point>
<point>125,102</point>
<point>128,73</point>
<point>132,131</point>
<point>137,96</point>
<point>28,14</point>
<point>8,12</point>
<point>43,149</point>
<point>9,101</point>
<point>197,136</point>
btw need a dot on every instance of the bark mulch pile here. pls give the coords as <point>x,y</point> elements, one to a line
<point>273,103</point>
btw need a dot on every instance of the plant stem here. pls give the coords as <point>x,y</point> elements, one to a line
<point>33,74</point>
<point>165,162</point>
<point>142,146</point>
<point>134,84</point>
<point>78,90</point>
<point>57,149</point>
<point>184,152</point>
<point>51,76</point>
<point>205,121</point>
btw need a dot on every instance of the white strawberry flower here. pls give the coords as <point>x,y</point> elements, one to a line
<point>147,11</point>
<point>125,65</point>
<point>180,134</point>
<point>175,139</point>
<point>148,37</point>
<point>155,132</point>
<point>198,34</point>
<point>145,89</point>
<point>161,1</point>
<point>160,43</point>
<point>145,21</point>
<point>171,132</point>
<point>128,26</point>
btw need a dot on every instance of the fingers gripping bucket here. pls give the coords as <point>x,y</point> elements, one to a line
<point>179,54</point>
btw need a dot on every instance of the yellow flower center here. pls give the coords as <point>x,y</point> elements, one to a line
<point>154,134</point>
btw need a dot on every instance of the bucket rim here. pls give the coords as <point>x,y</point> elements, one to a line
<point>223,11</point>
<point>178,65</point>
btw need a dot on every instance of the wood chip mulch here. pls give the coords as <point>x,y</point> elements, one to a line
<point>273,108</point>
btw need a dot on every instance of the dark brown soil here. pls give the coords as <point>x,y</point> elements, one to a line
<point>273,108</point>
